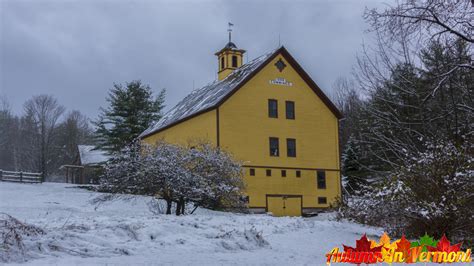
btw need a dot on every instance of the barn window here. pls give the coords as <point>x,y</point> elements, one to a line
<point>322,200</point>
<point>283,173</point>
<point>269,172</point>
<point>321,179</point>
<point>252,172</point>
<point>222,63</point>
<point>234,61</point>
<point>274,147</point>
<point>291,147</point>
<point>298,173</point>
<point>272,108</point>
<point>290,110</point>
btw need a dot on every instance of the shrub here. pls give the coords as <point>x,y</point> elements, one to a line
<point>432,193</point>
<point>203,175</point>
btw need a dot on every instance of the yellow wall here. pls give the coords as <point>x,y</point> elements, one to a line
<point>260,185</point>
<point>196,129</point>
<point>245,129</point>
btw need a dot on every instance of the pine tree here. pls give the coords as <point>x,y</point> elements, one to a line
<point>351,168</point>
<point>132,109</point>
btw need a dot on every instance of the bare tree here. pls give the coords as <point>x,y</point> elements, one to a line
<point>348,99</point>
<point>423,54</point>
<point>426,20</point>
<point>74,130</point>
<point>4,103</point>
<point>5,115</point>
<point>44,112</point>
<point>6,124</point>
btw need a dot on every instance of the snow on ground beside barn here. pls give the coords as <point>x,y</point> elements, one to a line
<point>123,232</point>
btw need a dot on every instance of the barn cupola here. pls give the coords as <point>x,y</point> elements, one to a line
<point>229,57</point>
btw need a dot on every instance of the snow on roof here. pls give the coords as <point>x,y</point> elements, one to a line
<point>90,156</point>
<point>207,96</point>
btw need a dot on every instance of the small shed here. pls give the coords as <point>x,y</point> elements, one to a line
<point>88,165</point>
<point>90,156</point>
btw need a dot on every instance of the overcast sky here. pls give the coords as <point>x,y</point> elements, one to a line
<point>76,50</point>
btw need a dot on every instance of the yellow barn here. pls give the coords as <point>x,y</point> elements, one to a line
<point>272,116</point>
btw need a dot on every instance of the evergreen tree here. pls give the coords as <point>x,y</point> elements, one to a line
<point>448,89</point>
<point>132,109</point>
<point>351,168</point>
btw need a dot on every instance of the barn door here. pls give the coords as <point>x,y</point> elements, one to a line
<point>284,205</point>
<point>292,206</point>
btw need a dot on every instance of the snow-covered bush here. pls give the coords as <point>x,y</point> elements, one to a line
<point>124,172</point>
<point>249,239</point>
<point>12,233</point>
<point>380,205</point>
<point>217,178</point>
<point>203,175</point>
<point>432,193</point>
<point>441,181</point>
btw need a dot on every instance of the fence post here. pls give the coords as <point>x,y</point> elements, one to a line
<point>21,177</point>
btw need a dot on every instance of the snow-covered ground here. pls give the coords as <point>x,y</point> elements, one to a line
<point>124,232</point>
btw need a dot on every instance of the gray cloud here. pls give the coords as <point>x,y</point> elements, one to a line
<point>76,50</point>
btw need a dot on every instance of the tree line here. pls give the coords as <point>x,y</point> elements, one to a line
<point>45,136</point>
<point>407,137</point>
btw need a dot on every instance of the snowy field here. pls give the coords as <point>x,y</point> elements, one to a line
<point>76,232</point>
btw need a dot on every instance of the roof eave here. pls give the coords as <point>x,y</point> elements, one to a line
<point>311,83</point>
<point>229,49</point>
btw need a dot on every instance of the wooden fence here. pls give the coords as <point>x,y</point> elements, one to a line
<point>23,177</point>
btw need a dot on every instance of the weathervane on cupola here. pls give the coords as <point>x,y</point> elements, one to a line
<point>230,31</point>
<point>229,57</point>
